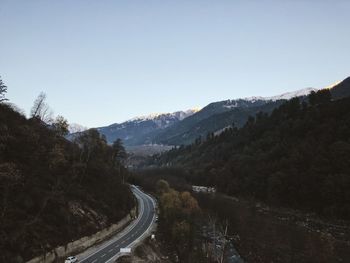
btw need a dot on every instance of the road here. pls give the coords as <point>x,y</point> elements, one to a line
<point>109,251</point>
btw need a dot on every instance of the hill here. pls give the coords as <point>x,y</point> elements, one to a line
<point>222,114</point>
<point>142,130</point>
<point>295,157</point>
<point>341,89</point>
<point>52,190</point>
<point>213,118</point>
<point>183,128</point>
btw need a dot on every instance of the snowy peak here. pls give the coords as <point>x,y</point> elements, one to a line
<point>141,130</point>
<point>179,115</point>
<point>258,100</point>
<point>334,84</point>
<point>289,95</point>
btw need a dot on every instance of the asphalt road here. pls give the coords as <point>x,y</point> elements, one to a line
<point>109,251</point>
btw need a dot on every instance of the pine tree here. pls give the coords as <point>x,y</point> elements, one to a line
<point>3,91</point>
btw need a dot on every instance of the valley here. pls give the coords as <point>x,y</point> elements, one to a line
<point>174,131</point>
<point>277,166</point>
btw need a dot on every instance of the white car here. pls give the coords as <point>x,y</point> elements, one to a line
<point>71,260</point>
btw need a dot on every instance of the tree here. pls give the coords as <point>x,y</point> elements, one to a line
<point>170,205</point>
<point>41,109</point>
<point>119,153</point>
<point>89,141</point>
<point>189,203</point>
<point>162,186</point>
<point>60,126</point>
<point>3,90</point>
<point>319,97</point>
<point>181,236</point>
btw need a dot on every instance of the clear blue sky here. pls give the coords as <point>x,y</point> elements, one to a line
<point>101,62</point>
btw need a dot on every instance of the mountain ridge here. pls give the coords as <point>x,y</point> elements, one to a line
<point>183,127</point>
<point>139,130</point>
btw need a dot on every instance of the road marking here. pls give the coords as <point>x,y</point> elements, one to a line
<point>111,250</point>
<point>145,204</point>
<point>149,198</point>
<point>128,229</point>
<point>94,261</point>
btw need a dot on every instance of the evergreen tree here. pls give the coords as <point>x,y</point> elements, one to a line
<point>3,91</point>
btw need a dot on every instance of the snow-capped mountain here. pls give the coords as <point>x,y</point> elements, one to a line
<point>142,129</point>
<point>284,96</point>
<point>258,100</point>
<point>163,119</point>
<point>221,114</point>
<point>183,127</point>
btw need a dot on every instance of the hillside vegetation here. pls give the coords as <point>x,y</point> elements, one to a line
<point>212,118</point>
<point>54,191</point>
<point>296,157</point>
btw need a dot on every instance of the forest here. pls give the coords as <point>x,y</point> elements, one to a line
<point>297,157</point>
<point>54,191</point>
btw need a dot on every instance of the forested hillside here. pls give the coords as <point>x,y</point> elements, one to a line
<point>296,157</point>
<point>193,127</point>
<point>54,191</point>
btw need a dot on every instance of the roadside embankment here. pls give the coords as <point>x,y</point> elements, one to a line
<point>84,242</point>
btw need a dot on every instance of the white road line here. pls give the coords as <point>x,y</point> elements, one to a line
<point>126,230</point>
<point>103,255</point>
<point>111,250</point>
<point>94,261</point>
<point>146,201</point>
<point>151,224</point>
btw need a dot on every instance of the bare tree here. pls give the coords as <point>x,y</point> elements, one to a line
<point>3,90</point>
<point>41,109</point>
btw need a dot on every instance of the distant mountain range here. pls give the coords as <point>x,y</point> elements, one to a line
<point>296,157</point>
<point>218,115</point>
<point>142,130</point>
<point>183,127</point>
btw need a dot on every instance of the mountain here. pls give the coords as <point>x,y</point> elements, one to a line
<point>185,127</point>
<point>284,96</point>
<point>218,115</point>
<point>341,89</point>
<point>142,130</point>
<point>222,114</point>
<point>295,157</point>
<point>50,186</point>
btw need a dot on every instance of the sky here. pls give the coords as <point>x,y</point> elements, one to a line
<point>102,62</point>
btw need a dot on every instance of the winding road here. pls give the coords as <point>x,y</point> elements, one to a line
<point>110,250</point>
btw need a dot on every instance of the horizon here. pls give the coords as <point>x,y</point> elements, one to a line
<point>103,63</point>
<point>196,109</point>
